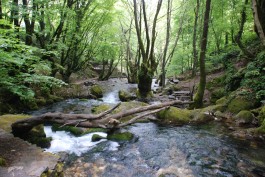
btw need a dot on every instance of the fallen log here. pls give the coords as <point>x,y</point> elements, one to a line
<point>102,120</point>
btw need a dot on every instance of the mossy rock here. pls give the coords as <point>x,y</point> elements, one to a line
<point>37,136</point>
<point>56,172</point>
<point>74,130</point>
<point>97,137</point>
<point>222,101</point>
<point>201,117</point>
<point>238,104</point>
<point>96,91</point>
<point>125,96</point>
<point>262,114</point>
<point>120,137</point>
<point>41,101</point>
<point>217,94</point>
<point>244,117</point>
<point>175,116</point>
<point>216,82</point>
<point>261,129</point>
<point>7,120</point>
<point>2,162</point>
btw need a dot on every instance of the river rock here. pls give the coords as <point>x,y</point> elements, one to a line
<point>244,117</point>
<point>120,137</point>
<point>96,91</point>
<point>97,137</point>
<point>238,104</point>
<point>126,96</point>
<point>175,115</point>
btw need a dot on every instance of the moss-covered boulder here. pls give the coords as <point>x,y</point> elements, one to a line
<point>120,137</point>
<point>37,136</point>
<point>96,90</point>
<point>74,130</point>
<point>101,108</point>
<point>201,117</point>
<point>244,117</point>
<point>217,94</point>
<point>238,104</point>
<point>126,96</point>
<point>175,116</point>
<point>221,101</point>
<point>261,129</point>
<point>2,162</point>
<point>97,137</point>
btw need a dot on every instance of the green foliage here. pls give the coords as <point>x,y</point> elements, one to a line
<point>22,70</point>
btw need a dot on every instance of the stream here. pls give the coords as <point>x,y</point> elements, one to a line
<point>156,150</point>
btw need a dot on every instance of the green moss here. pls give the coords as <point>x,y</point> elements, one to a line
<point>175,116</point>
<point>41,101</point>
<point>37,136</point>
<point>96,137</point>
<point>125,136</point>
<point>244,117</point>
<point>125,96</point>
<point>101,108</point>
<point>92,130</point>
<point>2,162</point>
<point>222,101</point>
<point>262,114</point>
<point>96,91</point>
<point>8,119</point>
<point>217,94</point>
<point>201,117</point>
<point>261,129</point>
<point>57,172</point>
<point>74,130</point>
<point>214,83</point>
<point>238,104</point>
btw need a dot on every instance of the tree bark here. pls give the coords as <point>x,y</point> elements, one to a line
<point>102,120</point>
<point>258,20</point>
<point>198,100</point>
<point>194,40</point>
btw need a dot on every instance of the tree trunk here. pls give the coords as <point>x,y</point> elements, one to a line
<point>238,37</point>
<point>259,15</point>
<point>194,40</point>
<point>198,100</point>
<point>102,120</point>
<point>1,10</point>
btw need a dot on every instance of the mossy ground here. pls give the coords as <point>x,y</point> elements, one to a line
<point>7,120</point>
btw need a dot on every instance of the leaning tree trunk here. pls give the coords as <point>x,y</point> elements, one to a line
<point>198,100</point>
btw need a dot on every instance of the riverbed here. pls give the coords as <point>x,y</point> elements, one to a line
<point>156,150</point>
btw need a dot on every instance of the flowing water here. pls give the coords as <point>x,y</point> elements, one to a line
<point>156,150</point>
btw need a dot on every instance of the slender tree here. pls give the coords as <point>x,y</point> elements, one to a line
<point>198,100</point>
<point>258,7</point>
<point>194,39</point>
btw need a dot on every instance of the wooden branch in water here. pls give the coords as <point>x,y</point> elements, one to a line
<point>90,120</point>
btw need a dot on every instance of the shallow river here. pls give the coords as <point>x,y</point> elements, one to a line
<point>156,150</point>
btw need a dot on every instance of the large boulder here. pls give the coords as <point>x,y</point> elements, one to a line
<point>244,117</point>
<point>126,96</point>
<point>238,104</point>
<point>96,91</point>
<point>175,116</point>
